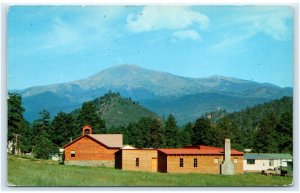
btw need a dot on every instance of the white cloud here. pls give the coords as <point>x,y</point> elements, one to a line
<point>247,21</point>
<point>165,17</point>
<point>270,20</point>
<point>186,34</point>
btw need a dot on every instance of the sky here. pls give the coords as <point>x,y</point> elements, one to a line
<point>56,44</point>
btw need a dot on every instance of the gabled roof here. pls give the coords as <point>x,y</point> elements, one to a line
<point>258,156</point>
<point>198,150</point>
<point>110,140</point>
<point>107,140</point>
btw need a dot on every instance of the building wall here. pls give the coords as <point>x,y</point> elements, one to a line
<point>87,151</point>
<point>205,164</point>
<point>263,165</point>
<point>145,159</point>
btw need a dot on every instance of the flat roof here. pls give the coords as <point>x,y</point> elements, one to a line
<point>267,156</point>
<point>198,150</point>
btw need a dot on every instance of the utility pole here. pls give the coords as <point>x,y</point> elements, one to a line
<point>17,143</point>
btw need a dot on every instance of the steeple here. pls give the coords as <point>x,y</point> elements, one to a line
<point>86,129</point>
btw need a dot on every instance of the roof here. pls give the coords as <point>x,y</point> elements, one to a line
<point>128,147</point>
<point>198,150</point>
<point>108,140</point>
<point>267,156</point>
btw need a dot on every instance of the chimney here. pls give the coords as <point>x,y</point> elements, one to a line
<point>86,129</point>
<point>227,167</point>
<point>227,150</point>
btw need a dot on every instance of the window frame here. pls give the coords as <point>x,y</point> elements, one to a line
<point>137,162</point>
<point>195,162</point>
<point>251,161</point>
<point>181,162</point>
<point>271,162</point>
<point>235,160</point>
<point>216,160</point>
<point>73,153</point>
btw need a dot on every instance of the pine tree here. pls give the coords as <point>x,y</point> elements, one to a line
<point>156,133</point>
<point>265,135</point>
<point>88,116</point>
<point>202,132</point>
<point>171,132</point>
<point>186,135</point>
<point>43,133</point>
<point>16,121</point>
<point>64,128</point>
<point>284,133</point>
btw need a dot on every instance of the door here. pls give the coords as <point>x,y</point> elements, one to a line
<point>154,164</point>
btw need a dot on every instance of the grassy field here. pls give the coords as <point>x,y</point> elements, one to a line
<point>26,172</point>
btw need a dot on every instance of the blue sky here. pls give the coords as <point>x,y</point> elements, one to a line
<point>55,44</point>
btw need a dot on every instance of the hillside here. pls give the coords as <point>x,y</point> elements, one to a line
<point>118,111</point>
<point>250,117</point>
<point>142,85</point>
<point>190,107</point>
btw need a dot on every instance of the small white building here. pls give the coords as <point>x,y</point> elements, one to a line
<point>257,162</point>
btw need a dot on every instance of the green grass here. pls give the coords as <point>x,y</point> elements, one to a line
<point>29,172</point>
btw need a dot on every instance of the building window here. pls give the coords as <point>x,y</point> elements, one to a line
<point>271,162</point>
<point>181,162</point>
<point>235,160</point>
<point>72,153</point>
<point>137,162</point>
<point>250,161</point>
<point>195,162</point>
<point>216,161</point>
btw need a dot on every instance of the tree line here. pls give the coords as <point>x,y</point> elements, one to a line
<point>268,132</point>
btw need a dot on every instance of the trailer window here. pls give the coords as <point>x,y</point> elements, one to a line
<point>271,162</point>
<point>250,161</point>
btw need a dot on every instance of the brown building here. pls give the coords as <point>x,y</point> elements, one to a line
<point>93,149</point>
<point>197,159</point>
<point>137,159</point>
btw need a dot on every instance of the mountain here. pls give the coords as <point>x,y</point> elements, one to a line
<point>118,111</point>
<point>190,107</point>
<point>142,85</point>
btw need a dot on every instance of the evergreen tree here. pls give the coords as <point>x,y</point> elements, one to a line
<point>284,133</point>
<point>26,138</point>
<point>171,132</point>
<point>186,135</point>
<point>156,132</point>
<point>16,122</point>
<point>228,129</point>
<point>64,128</point>
<point>87,115</point>
<point>202,132</point>
<point>44,147</point>
<point>265,135</point>
<point>137,136</point>
<point>43,133</point>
